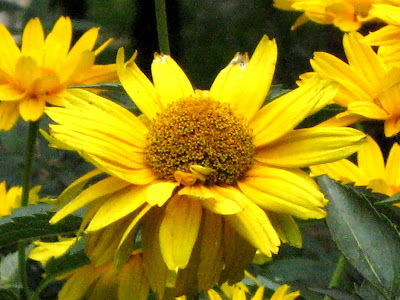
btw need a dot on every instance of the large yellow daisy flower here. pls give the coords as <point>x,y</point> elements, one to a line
<point>41,70</point>
<point>367,87</point>
<point>210,175</point>
<point>371,170</point>
<point>388,37</point>
<point>348,15</point>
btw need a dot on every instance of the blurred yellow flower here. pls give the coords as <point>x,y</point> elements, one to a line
<point>106,282</point>
<point>388,37</point>
<point>367,87</point>
<point>371,170</point>
<point>12,198</point>
<point>347,15</point>
<point>209,175</point>
<point>43,68</point>
<point>43,251</point>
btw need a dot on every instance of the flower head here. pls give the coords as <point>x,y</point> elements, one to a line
<point>348,15</point>
<point>371,170</point>
<point>12,198</point>
<point>203,176</point>
<point>43,68</point>
<point>368,88</point>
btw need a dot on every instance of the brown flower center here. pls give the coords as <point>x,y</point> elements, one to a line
<point>198,134</point>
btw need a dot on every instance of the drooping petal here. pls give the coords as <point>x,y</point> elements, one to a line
<point>290,192</point>
<point>252,89</point>
<point>253,224</point>
<point>368,110</point>
<point>310,146</point>
<point>137,85</point>
<point>133,280</point>
<point>342,170</point>
<point>159,192</point>
<point>9,115</point>
<point>57,45</point>
<point>287,229</point>
<point>178,231</point>
<point>285,113</point>
<point>393,166</point>
<point>220,200</point>
<point>169,80</point>
<point>117,206</point>
<point>101,189</point>
<point>33,40</point>
<point>9,52</point>
<point>31,109</point>
<point>370,160</point>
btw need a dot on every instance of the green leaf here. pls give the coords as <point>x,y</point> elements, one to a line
<point>389,201</point>
<point>32,222</point>
<point>9,294</point>
<point>114,87</point>
<point>368,292</point>
<point>365,238</point>
<point>9,276</point>
<point>74,258</point>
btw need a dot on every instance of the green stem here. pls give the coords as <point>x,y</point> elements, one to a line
<point>338,274</point>
<point>26,183</point>
<point>162,28</point>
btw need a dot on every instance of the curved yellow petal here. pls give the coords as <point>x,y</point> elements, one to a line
<point>33,40</point>
<point>392,126</point>
<point>342,170</point>
<point>85,42</point>
<point>393,166</point>
<point>160,192</point>
<point>287,229</point>
<point>118,205</point>
<point>57,45</point>
<point>387,35</point>
<point>370,160</point>
<point>368,110</point>
<point>259,295</point>
<point>9,52</point>
<point>213,295</point>
<point>250,92</point>
<point>101,189</point>
<point>285,113</point>
<point>31,109</point>
<point>138,86</point>
<point>282,293</point>
<point>220,200</point>
<point>9,114</point>
<point>253,225</point>
<point>169,80</point>
<point>310,146</point>
<point>283,191</point>
<point>178,231</point>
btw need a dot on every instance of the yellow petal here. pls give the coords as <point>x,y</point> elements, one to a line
<point>85,42</point>
<point>259,295</point>
<point>370,160</point>
<point>31,109</point>
<point>393,166</point>
<point>310,146</point>
<point>101,189</point>
<point>33,40</point>
<point>282,293</point>
<point>283,191</point>
<point>387,35</point>
<point>138,86</point>
<point>342,170</point>
<point>117,206</point>
<point>9,52</point>
<point>133,282</point>
<point>213,295</point>
<point>341,120</point>
<point>159,192</point>
<point>287,229</point>
<point>9,115</point>
<point>74,69</point>
<point>169,80</point>
<point>285,113</point>
<point>98,73</point>
<point>178,231</point>
<point>57,45</point>
<point>220,200</point>
<point>252,89</point>
<point>368,110</point>
<point>26,71</point>
<point>9,92</point>
<point>392,126</point>
<point>225,83</point>
<point>253,224</point>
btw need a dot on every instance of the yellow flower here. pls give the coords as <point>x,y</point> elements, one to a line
<point>388,37</point>
<point>238,293</point>
<point>105,282</point>
<point>367,87</point>
<point>12,198</point>
<point>212,177</point>
<point>347,15</point>
<point>371,170</point>
<point>43,68</point>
